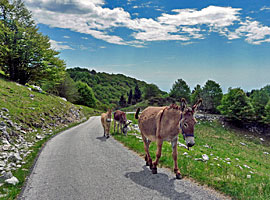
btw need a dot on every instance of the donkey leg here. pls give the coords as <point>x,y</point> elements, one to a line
<point>158,155</point>
<point>174,155</point>
<point>108,132</point>
<point>148,159</point>
<point>114,123</point>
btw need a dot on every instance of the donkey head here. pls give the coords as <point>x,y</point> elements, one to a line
<point>188,121</point>
<point>125,128</point>
<point>109,115</point>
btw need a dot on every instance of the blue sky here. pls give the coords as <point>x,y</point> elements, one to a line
<point>227,41</point>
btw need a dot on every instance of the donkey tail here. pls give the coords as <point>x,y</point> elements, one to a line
<point>137,113</point>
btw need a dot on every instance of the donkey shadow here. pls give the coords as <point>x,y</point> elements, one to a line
<point>102,138</point>
<point>159,182</point>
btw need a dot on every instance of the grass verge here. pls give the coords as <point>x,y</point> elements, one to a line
<point>238,165</point>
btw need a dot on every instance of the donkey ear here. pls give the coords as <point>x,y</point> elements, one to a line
<point>194,108</point>
<point>183,104</point>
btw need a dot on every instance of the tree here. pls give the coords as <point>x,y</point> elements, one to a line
<point>151,91</point>
<point>211,95</point>
<point>259,99</point>
<point>68,89</point>
<point>26,55</point>
<point>266,118</point>
<point>122,101</point>
<point>236,106</point>
<point>137,93</point>
<point>196,94</point>
<point>180,90</point>
<point>86,95</point>
<point>130,97</point>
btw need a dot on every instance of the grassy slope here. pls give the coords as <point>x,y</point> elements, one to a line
<point>225,170</point>
<point>26,112</point>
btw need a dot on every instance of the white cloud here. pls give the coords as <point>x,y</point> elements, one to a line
<point>265,8</point>
<point>84,38</point>
<point>212,16</point>
<point>90,17</point>
<point>65,36</point>
<point>59,45</point>
<point>254,32</point>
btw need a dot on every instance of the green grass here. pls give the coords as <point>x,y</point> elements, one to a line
<point>225,170</point>
<point>28,112</point>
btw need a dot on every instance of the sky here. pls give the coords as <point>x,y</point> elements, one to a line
<point>160,41</point>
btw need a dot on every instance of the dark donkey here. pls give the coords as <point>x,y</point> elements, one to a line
<point>121,118</point>
<point>158,124</point>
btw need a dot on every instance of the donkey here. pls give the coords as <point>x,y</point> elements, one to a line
<point>106,122</point>
<point>158,124</point>
<point>121,118</point>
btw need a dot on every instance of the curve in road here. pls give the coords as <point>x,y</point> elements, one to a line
<point>81,164</point>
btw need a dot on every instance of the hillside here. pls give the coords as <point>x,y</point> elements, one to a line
<point>29,118</point>
<point>108,88</point>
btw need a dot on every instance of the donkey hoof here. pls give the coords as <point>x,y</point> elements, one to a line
<point>107,136</point>
<point>154,170</point>
<point>147,164</point>
<point>178,176</point>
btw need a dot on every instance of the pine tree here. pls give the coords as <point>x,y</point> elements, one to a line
<point>180,90</point>
<point>130,97</point>
<point>137,93</point>
<point>122,101</point>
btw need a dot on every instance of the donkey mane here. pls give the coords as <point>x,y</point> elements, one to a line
<point>174,106</point>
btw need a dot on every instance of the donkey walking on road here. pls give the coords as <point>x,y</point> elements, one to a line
<point>158,124</point>
<point>106,122</point>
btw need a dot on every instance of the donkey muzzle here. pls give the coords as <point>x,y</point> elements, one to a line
<point>190,141</point>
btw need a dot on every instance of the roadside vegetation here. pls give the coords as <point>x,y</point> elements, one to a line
<point>28,120</point>
<point>238,163</point>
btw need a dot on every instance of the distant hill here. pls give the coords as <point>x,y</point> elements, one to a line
<point>109,88</point>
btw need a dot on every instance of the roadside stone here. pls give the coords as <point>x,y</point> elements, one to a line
<point>2,163</point>
<point>5,109</point>
<point>243,144</point>
<point>14,157</point>
<point>12,181</point>
<point>205,157</point>
<point>182,145</point>
<point>246,166</point>
<point>6,147</point>
<point>248,176</point>
<point>10,123</point>
<point>2,124</point>
<point>265,153</point>
<point>2,195</point>
<point>39,137</point>
<point>5,176</point>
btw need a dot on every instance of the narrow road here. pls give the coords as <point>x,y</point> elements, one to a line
<point>81,164</point>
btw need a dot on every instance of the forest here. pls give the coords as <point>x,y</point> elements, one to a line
<point>26,57</point>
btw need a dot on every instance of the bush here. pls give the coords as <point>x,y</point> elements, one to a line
<point>86,95</point>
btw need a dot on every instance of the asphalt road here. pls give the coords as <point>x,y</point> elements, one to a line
<point>81,164</point>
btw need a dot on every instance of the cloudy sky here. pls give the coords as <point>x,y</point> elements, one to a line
<point>160,41</point>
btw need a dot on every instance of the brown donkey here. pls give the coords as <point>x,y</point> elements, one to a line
<point>120,118</point>
<point>158,124</point>
<point>106,122</point>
